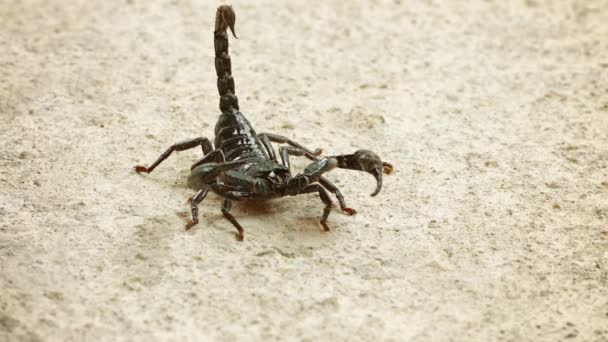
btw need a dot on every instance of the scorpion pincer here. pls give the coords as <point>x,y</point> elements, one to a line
<point>243,165</point>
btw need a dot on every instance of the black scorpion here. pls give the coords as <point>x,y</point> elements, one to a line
<point>243,165</point>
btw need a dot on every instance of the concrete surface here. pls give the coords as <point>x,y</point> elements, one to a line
<point>494,225</point>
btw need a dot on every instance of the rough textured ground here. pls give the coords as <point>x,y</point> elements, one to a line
<point>494,225</point>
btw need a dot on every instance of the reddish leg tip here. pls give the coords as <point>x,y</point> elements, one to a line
<point>140,169</point>
<point>318,152</point>
<point>325,226</point>
<point>191,224</point>
<point>239,236</point>
<point>349,211</point>
<point>387,167</point>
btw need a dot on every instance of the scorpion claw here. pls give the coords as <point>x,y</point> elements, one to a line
<point>378,175</point>
<point>206,173</point>
<point>140,169</point>
<point>368,161</point>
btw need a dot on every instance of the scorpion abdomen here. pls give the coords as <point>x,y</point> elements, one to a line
<point>236,138</point>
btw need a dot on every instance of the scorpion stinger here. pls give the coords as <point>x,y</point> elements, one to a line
<point>242,165</point>
<point>228,18</point>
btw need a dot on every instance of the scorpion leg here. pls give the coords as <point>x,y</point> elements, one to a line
<point>281,139</point>
<point>195,201</point>
<point>268,146</point>
<point>324,197</point>
<point>181,146</point>
<point>206,173</point>
<point>214,156</point>
<point>226,204</point>
<point>286,151</point>
<point>334,189</point>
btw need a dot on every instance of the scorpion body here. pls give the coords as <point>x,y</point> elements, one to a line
<point>242,165</point>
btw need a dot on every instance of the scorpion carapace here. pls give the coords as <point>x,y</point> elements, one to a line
<point>242,165</point>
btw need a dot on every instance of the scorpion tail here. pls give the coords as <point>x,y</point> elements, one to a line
<point>224,19</point>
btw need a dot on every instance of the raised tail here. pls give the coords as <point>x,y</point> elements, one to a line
<point>224,19</point>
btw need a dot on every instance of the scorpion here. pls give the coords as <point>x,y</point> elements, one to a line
<point>243,165</point>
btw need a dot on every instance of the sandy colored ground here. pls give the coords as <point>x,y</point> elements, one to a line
<point>494,225</point>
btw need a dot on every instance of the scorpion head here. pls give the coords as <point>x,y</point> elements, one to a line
<point>206,173</point>
<point>368,161</point>
<point>296,184</point>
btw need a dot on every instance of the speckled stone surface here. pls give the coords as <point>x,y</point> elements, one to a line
<point>494,225</point>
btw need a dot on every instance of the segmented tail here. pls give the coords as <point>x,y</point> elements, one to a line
<point>224,18</point>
